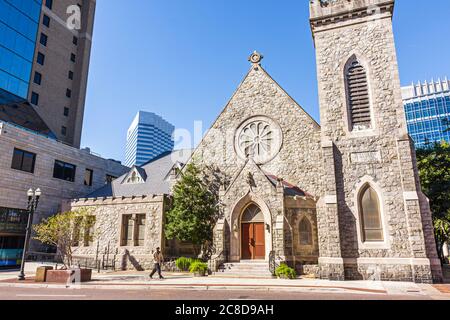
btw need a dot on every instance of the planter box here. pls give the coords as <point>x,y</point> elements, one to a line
<point>199,274</point>
<point>41,273</point>
<point>63,276</point>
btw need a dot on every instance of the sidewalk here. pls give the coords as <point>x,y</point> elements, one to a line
<point>179,281</point>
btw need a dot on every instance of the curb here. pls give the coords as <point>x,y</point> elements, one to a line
<point>203,287</point>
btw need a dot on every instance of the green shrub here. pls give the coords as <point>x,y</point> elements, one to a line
<point>283,271</point>
<point>198,267</point>
<point>184,263</point>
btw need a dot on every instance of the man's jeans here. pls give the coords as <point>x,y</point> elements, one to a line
<point>157,267</point>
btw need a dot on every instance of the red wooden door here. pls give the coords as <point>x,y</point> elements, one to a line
<point>259,250</point>
<point>247,235</point>
<point>253,241</point>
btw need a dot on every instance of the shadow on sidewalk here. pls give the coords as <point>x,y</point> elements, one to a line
<point>446,272</point>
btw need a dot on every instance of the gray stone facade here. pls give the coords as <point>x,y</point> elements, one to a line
<point>108,214</point>
<point>343,29</point>
<point>271,154</point>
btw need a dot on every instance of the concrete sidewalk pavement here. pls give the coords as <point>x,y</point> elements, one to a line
<point>141,281</point>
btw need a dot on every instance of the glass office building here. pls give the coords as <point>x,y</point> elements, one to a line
<point>427,107</point>
<point>19,20</point>
<point>148,137</point>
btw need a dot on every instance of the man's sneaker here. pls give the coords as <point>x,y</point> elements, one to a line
<point>151,277</point>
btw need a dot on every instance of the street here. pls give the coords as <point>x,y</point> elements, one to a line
<point>15,293</point>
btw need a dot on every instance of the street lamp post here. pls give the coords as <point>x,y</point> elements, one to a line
<point>33,200</point>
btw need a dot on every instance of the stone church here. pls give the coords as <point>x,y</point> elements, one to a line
<point>341,200</point>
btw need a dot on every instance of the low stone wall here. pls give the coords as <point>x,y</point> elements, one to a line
<point>308,270</point>
<point>388,272</point>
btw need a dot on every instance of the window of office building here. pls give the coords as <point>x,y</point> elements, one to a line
<point>75,40</point>
<point>40,58</point>
<point>66,111</point>
<point>63,130</point>
<point>46,21</point>
<point>35,98</point>
<point>70,75</point>
<point>43,39</point>
<point>13,221</point>
<point>23,160</point>
<point>88,175</point>
<point>68,93</point>
<point>73,57</point>
<point>49,4</point>
<point>37,78</point>
<point>64,171</point>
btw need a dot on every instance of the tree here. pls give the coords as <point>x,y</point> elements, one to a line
<point>194,212</point>
<point>65,231</point>
<point>434,171</point>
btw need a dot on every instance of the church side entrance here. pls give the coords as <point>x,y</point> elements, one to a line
<point>253,245</point>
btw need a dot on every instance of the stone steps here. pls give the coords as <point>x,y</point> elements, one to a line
<point>245,269</point>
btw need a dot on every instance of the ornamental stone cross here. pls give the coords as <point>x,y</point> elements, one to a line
<point>255,58</point>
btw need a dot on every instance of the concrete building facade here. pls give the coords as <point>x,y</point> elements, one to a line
<point>60,68</point>
<point>427,108</point>
<point>148,136</point>
<point>31,160</point>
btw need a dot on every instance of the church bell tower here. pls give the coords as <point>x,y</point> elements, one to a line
<point>374,222</point>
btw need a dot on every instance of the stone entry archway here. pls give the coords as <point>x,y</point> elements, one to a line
<point>253,246</point>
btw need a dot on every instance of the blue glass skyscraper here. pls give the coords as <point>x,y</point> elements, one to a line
<point>427,107</point>
<point>19,20</point>
<point>148,137</point>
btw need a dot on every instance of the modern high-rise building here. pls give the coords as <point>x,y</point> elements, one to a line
<point>148,137</point>
<point>46,62</point>
<point>427,107</point>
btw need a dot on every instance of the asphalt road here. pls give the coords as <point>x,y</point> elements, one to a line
<point>178,294</point>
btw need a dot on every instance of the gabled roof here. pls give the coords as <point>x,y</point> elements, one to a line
<point>256,68</point>
<point>18,111</point>
<point>156,172</point>
<point>289,188</point>
<point>139,170</point>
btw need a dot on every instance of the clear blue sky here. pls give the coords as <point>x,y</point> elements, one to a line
<point>183,59</point>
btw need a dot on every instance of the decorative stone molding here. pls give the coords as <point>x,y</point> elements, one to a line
<point>325,12</point>
<point>259,138</point>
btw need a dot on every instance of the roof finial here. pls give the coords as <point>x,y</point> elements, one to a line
<point>256,58</point>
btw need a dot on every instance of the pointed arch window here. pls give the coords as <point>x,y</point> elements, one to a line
<point>305,232</point>
<point>371,224</point>
<point>358,97</point>
<point>252,214</point>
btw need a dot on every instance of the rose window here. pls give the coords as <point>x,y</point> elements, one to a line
<point>258,138</point>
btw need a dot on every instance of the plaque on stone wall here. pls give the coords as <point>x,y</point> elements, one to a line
<point>366,157</point>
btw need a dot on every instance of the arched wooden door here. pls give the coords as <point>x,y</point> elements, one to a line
<point>253,244</point>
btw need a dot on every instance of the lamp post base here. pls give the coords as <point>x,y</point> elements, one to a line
<point>21,277</point>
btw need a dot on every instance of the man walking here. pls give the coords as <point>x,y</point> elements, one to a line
<point>158,258</point>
